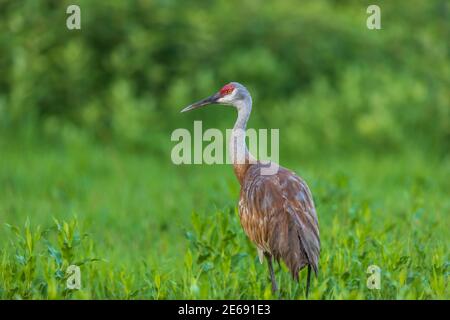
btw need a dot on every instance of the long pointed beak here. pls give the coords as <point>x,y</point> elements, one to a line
<point>210,100</point>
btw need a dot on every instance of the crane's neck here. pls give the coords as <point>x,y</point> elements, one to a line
<point>241,158</point>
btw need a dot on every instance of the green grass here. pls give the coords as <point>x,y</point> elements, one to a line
<point>140,227</point>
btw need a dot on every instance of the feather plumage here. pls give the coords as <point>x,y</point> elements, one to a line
<point>277,213</point>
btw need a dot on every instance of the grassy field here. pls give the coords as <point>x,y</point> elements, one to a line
<point>140,227</point>
<point>86,117</point>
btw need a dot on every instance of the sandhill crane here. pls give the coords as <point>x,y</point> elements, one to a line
<point>276,211</point>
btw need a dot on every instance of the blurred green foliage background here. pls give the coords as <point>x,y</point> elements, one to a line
<point>86,117</point>
<point>314,69</point>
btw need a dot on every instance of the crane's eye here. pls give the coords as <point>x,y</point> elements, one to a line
<point>227,89</point>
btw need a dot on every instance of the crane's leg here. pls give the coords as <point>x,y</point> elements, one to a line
<point>308,279</point>
<point>272,274</point>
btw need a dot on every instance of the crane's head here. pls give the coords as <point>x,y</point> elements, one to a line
<point>230,94</point>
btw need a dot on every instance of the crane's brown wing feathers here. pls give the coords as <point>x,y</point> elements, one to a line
<point>277,213</point>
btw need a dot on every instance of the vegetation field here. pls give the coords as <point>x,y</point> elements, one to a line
<point>140,229</point>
